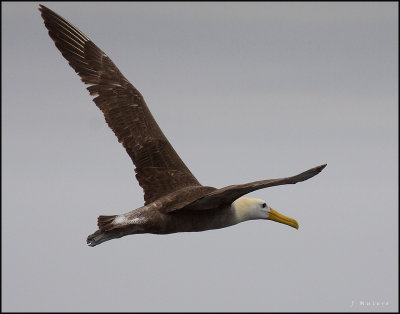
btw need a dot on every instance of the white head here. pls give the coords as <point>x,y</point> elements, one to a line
<point>247,208</point>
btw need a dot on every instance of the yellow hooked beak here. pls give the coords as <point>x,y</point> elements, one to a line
<point>275,216</point>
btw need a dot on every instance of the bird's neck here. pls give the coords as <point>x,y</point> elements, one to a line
<point>242,209</point>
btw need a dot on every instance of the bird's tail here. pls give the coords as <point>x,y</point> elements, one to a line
<point>113,227</point>
<point>105,223</point>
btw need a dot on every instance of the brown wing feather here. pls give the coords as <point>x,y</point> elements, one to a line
<point>159,169</point>
<point>221,198</point>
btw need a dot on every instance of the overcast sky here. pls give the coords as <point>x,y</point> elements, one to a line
<point>244,92</point>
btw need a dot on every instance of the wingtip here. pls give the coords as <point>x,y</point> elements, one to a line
<point>309,173</point>
<point>42,8</point>
<point>321,167</point>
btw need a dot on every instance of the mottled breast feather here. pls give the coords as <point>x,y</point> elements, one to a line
<point>159,169</point>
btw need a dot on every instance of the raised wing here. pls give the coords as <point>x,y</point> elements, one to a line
<point>221,198</point>
<point>159,168</point>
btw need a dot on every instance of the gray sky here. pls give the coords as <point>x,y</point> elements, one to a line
<point>244,91</point>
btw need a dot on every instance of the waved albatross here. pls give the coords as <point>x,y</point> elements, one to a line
<point>174,200</point>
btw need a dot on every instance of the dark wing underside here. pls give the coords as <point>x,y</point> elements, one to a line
<point>159,169</point>
<point>221,198</point>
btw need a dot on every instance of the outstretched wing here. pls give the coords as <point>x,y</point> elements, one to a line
<point>221,198</point>
<point>159,168</point>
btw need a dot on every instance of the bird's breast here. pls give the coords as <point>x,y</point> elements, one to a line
<point>197,220</point>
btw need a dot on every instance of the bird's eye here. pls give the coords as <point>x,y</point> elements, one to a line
<point>264,205</point>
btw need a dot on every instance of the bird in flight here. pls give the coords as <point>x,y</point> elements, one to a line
<point>174,200</point>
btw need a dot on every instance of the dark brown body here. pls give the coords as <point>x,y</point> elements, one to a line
<point>157,222</point>
<point>189,209</point>
<point>175,201</point>
<point>192,221</point>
